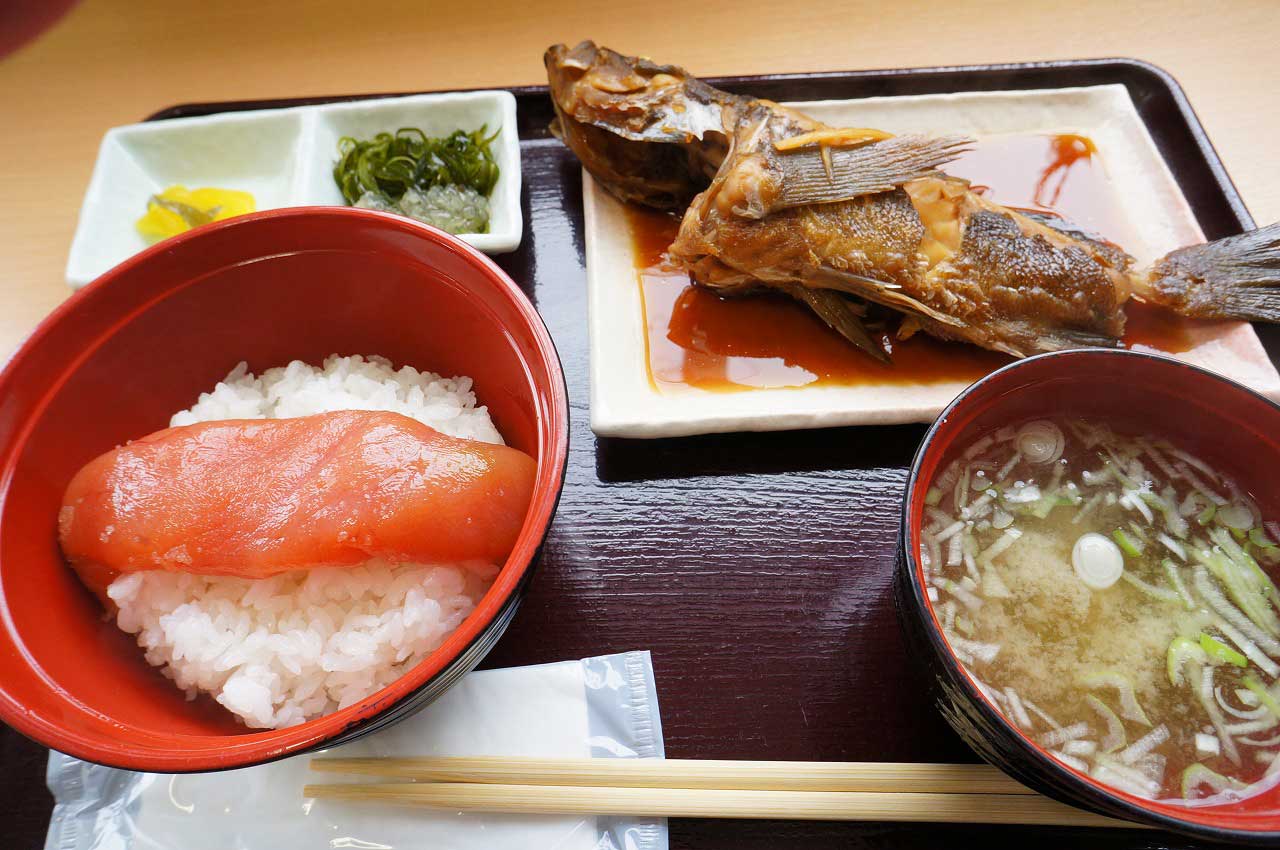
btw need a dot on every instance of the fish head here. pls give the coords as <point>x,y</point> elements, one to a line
<point>651,134</point>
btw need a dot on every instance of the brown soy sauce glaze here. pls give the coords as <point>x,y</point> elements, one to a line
<point>698,339</point>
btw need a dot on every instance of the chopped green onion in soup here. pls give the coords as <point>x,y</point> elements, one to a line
<point>1112,594</point>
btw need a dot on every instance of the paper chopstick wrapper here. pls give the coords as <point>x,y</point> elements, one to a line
<point>598,707</point>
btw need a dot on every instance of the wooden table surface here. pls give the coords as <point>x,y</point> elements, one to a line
<point>112,62</point>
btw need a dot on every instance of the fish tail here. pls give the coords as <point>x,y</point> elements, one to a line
<point>1233,278</point>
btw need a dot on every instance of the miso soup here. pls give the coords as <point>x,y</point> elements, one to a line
<point>1112,594</point>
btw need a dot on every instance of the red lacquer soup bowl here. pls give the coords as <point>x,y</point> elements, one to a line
<point>1222,422</point>
<point>120,356</point>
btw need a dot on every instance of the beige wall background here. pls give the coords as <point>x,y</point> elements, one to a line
<point>115,61</point>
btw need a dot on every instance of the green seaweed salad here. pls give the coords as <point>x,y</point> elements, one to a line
<point>445,181</point>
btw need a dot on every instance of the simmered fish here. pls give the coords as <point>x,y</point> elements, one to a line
<point>841,218</point>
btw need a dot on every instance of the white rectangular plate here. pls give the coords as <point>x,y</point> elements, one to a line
<point>284,157</point>
<point>625,402</point>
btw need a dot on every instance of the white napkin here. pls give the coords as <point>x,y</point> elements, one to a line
<point>603,706</point>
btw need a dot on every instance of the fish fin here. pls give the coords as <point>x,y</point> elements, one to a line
<point>862,170</point>
<point>1041,339</point>
<point>880,291</point>
<point>1233,278</point>
<point>1022,338</point>
<point>843,317</point>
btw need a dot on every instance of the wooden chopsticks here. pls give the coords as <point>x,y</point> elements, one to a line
<point>855,791</point>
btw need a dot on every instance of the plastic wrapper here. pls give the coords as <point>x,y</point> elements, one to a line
<point>604,707</point>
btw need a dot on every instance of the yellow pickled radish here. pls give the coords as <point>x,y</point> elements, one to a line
<point>178,209</point>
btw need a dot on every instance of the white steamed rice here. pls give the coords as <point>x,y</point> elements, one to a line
<point>279,651</point>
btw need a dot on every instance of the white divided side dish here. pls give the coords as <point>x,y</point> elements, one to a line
<point>625,402</point>
<point>283,157</point>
